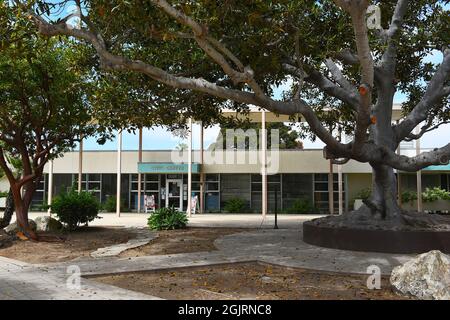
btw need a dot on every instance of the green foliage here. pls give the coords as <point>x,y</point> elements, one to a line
<point>167,219</point>
<point>302,206</point>
<point>235,205</point>
<point>433,194</point>
<point>110,205</point>
<point>73,208</point>
<point>364,194</point>
<point>3,194</point>
<point>408,196</point>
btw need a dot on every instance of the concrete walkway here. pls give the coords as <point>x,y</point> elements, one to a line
<point>203,220</point>
<point>282,247</point>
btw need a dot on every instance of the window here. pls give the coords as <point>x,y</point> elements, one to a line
<point>296,186</point>
<point>321,194</point>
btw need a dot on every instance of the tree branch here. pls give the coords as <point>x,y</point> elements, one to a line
<point>324,84</point>
<point>388,60</point>
<point>357,10</point>
<point>434,93</point>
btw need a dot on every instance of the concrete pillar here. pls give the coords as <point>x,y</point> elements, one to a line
<point>202,174</point>
<point>264,163</point>
<point>341,189</point>
<point>399,183</point>
<point>139,196</point>
<point>80,166</point>
<point>331,189</point>
<point>119,172</point>
<point>189,195</point>
<point>50,186</point>
<point>419,177</point>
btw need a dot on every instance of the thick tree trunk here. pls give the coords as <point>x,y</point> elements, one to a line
<point>383,201</point>
<point>9,210</point>
<point>22,213</point>
<point>22,222</point>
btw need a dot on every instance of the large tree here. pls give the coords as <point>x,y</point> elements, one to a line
<point>344,76</point>
<point>43,107</point>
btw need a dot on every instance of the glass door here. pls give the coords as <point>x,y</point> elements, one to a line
<point>174,195</point>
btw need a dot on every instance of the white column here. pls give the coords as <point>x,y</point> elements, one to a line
<point>264,163</point>
<point>202,175</point>
<point>119,171</point>
<point>50,185</point>
<point>80,165</point>
<point>341,189</point>
<point>189,204</point>
<point>331,189</point>
<point>399,183</point>
<point>139,174</point>
<point>419,177</point>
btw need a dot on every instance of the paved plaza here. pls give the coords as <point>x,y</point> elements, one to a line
<point>282,247</point>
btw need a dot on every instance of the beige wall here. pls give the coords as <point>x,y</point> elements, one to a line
<point>356,182</point>
<point>306,161</point>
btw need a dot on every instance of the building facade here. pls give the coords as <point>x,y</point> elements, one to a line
<point>300,175</point>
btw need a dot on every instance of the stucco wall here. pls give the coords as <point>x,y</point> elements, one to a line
<point>285,161</point>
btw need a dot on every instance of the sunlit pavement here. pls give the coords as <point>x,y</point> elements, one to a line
<point>291,221</point>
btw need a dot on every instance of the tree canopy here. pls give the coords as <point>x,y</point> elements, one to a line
<point>44,106</point>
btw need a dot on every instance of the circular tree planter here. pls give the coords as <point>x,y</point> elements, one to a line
<point>387,241</point>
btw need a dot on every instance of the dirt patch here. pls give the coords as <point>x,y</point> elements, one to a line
<point>250,281</point>
<point>182,241</point>
<point>77,244</point>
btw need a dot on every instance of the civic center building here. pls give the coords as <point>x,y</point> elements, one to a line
<point>299,174</point>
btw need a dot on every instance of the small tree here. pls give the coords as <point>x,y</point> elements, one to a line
<point>44,107</point>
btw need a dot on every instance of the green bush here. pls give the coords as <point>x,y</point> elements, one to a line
<point>235,205</point>
<point>167,219</point>
<point>73,208</point>
<point>433,194</point>
<point>408,196</point>
<point>301,206</point>
<point>364,194</point>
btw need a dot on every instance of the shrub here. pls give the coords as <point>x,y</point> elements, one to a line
<point>408,196</point>
<point>73,208</point>
<point>167,219</point>
<point>433,194</point>
<point>301,206</point>
<point>364,194</point>
<point>235,205</point>
<point>110,204</point>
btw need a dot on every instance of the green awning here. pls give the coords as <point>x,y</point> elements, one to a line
<point>158,167</point>
<point>445,167</point>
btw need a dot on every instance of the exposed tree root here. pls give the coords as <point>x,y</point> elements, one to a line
<point>33,236</point>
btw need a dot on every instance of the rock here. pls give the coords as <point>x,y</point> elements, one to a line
<point>426,277</point>
<point>13,229</point>
<point>46,223</point>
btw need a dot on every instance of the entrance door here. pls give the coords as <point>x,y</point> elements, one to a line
<point>174,194</point>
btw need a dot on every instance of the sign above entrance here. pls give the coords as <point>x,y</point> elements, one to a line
<point>157,167</point>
